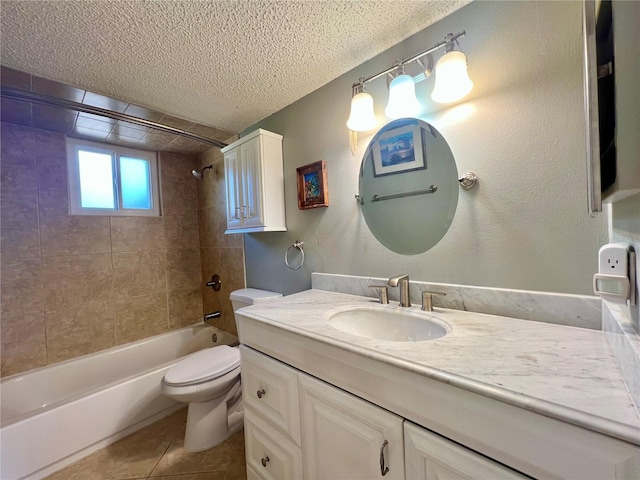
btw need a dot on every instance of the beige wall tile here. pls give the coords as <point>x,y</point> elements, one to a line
<point>208,227</point>
<point>150,265</point>
<point>181,231</point>
<point>129,234</point>
<point>50,144</point>
<point>141,317</point>
<point>18,187</point>
<point>16,141</point>
<point>70,281</point>
<point>21,287</point>
<point>23,343</point>
<point>51,165</point>
<point>138,273</point>
<point>64,234</point>
<point>20,234</point>
<point>183,268</point>
<point>178,184</point>
<point>211,189</point>
<point>78,331</point>
<point>16,111</point>
<point>185,307</point>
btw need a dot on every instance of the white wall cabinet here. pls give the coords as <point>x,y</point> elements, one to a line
<point>254,179</point>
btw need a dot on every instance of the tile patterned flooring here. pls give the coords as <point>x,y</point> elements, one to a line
<point>156,452</point>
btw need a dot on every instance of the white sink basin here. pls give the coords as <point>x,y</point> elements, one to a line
<point>393,324</point>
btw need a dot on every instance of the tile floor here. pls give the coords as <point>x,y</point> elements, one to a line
<point>156,452</point>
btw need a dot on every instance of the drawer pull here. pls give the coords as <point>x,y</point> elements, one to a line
<point>383,469</point>
<point>260,393</point>
<point>264,461</point>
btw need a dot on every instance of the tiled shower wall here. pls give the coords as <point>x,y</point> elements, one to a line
<point>73,285</point>
<point>220,253</point>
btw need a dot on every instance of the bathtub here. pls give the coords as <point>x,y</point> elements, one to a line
<point>55,415</point>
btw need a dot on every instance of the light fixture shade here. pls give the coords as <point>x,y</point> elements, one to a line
<point>362,117</point>
<point>402,98</point>
<point>452,79</point>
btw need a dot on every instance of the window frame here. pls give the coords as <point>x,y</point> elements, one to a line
<point>116,151</point>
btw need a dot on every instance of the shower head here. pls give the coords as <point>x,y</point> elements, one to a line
<point>199,174</point>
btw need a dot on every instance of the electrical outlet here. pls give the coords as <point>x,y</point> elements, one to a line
<point>613,259</point>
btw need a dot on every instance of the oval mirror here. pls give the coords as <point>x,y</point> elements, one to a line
<point>408,186</point>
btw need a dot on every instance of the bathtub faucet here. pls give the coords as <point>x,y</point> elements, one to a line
<point>212,315</point>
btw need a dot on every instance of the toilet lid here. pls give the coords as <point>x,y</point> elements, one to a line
<point>203,365</point>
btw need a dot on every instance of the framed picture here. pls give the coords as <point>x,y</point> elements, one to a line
<point>398,150</point>
<point>313,191</point>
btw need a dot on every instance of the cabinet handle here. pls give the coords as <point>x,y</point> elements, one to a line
<point>244,214</point>
<point>261,392</point>
<point>264,461</point>
<point>238,213</point>
<point>383,469</point>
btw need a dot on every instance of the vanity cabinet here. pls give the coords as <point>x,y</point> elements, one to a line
<point>254,179</point>
<point>297,426</point>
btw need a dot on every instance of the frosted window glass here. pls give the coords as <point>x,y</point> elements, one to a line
<point>135,182</point>
<point>96,180</point>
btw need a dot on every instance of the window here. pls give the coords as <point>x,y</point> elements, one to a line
<point>111,180</point>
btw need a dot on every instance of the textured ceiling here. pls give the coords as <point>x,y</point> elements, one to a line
<point>222,63</point>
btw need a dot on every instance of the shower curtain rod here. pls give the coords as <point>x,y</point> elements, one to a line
<point>26,96</point>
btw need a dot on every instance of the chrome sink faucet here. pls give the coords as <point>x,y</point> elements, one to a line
<point>403,282</point>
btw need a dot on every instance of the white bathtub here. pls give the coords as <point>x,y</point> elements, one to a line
<point>55,415</point>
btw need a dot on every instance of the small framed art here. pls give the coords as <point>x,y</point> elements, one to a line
<point>313,190</point>
<point>398,150</point>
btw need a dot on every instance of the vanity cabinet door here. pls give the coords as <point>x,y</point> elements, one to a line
<point>431,457</point>
<point>345,437</point>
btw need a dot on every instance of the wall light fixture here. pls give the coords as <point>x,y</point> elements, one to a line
<point>452,83</point>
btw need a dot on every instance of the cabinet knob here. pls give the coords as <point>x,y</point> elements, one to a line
<point>260,393</point>
<point>264,461</point>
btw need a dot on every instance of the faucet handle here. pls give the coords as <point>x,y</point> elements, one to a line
<point>383,293</point>
<point>427,297</point>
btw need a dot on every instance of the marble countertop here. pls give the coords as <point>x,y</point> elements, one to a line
<point>563,372</point>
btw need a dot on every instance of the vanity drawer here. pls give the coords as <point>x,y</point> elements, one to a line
<point>271,390</point>
<point>270,455</point>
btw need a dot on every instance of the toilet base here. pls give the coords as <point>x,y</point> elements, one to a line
<point>211,423</point>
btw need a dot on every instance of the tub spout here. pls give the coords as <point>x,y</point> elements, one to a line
<point>212,315</point>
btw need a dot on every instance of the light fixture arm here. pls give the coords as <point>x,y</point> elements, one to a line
<point>447,43</point>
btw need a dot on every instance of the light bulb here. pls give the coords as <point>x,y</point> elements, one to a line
<point>362,117</point>
<point>402,98</point>
<point>452,79</point>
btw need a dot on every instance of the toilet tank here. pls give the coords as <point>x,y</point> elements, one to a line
<point>250,296</point>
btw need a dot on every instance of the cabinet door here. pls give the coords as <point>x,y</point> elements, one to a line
<point>232,172</point>
<point>345,437</point>
<point>431,457</point>
<point>252,205</point>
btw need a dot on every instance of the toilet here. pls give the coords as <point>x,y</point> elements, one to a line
<point>209,381</point>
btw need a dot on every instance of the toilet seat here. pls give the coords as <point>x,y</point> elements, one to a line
<point>203,366</point>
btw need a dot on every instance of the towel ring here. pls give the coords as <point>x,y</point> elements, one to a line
<point>297,245</point>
